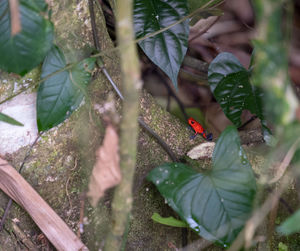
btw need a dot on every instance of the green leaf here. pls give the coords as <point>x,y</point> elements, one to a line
<point>38,5</point>
<point>216,203</point>
<point>282,247</point>
<point>234,93</point>
<point>63,92</point>
<point>24,51</point>
<point>224,64</point>
<point>291,225</point>
<point>170,221</point>
<point>9,120</point>
<point>230,83</point>
<point>166,49</point>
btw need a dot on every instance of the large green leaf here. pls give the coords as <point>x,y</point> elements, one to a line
<point>166,49</point>
<point>216,203</point>
<point>63,92</point>
<point>291,225</point>
<point>9,120</point>
<point>28,48</point>
<point>230,83</point>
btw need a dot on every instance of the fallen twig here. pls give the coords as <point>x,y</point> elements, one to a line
<point>54,228</point>
<point>6,212</point>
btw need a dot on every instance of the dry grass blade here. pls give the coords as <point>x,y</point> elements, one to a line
<point>106,172</point>
<point>285,163</point>
<point>54,228</point>
<point>247,234</point>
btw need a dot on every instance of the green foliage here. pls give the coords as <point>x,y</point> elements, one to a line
<point>291,225</point>
<point>24,51</point>
<point>216,203</point>
<point>170,221</point>
<point>230,83</point>
<point>9,120</point>
<point>282,247</point>
<point>60,94</point>
<point>166,49</point>
<point>271,62</point>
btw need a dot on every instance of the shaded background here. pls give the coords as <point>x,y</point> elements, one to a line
<point>232,32</point>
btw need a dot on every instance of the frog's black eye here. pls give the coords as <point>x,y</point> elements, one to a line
<point>192,122</point>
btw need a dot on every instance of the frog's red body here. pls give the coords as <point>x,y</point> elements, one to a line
<point>199,129</point>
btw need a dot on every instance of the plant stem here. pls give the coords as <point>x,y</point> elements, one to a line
<point>122,201</point>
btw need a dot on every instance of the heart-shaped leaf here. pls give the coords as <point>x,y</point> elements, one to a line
<point>25,50</point>
<point>217,203</point>
<point>9,120</point>
<point>166,49</point>
<point>230,83</point>
<point>60,94</point>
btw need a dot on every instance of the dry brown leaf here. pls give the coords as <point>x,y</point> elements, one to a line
<point>106,172</point>
<point>54,228</point>
<point>201,27</point>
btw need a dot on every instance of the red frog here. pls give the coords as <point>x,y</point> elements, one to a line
<point>199,129</point>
